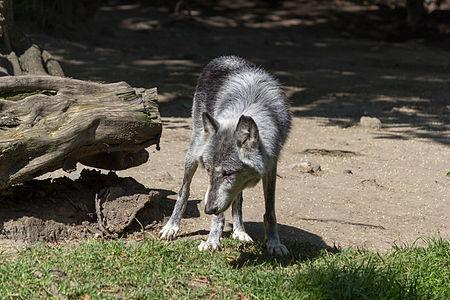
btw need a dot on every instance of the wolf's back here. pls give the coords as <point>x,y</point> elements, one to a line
<point>230,86</point>
<point>211,80</point>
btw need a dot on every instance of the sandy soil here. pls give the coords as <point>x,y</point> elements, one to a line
<point>380,187</point>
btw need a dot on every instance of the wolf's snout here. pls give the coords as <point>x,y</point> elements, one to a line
<point>209,210</point>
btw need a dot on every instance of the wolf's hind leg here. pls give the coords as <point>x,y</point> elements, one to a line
<point>238,226</point>
<point>215,234</point>
<point>273,244</point>
<point>170,230</point>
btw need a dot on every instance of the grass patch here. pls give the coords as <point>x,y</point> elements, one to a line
<point>152,269</point>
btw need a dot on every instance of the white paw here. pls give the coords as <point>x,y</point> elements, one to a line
<point>169,232</point>
<point>276,248</point>
<point>242,236</point>
<point>209,245</point>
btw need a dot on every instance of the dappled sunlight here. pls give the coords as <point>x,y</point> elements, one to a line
<point>339,182</point>
<point>120,7</point>
<point>291,90</point>
<point>385,98</point>
<point>175,64</point>
<point>140,23</point>
<point>324,73</point>
<point>320,45</point>
<point>420,79</point>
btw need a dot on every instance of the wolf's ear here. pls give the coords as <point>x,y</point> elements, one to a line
<point>247,134</point>
<point>209,124</point>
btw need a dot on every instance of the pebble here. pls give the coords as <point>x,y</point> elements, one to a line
<point>370,123</point>
<point>307,167</point>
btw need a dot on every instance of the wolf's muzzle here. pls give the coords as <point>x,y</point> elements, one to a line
<point>210,210</point>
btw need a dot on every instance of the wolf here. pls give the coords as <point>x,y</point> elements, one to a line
<point>240,121</point>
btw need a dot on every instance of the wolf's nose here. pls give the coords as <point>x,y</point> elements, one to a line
<point>210,210</point>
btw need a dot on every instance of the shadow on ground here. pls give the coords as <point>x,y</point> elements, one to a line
<point>191,211</point>
<point>302,245</point>
<point>288,233</point>
<point>93,205</point>
<point>333,62</point>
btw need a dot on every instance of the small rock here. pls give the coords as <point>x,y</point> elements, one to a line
<point>348,172</point>
<point>371,183</point>
<point>370,123</point>
<point>307,167</point>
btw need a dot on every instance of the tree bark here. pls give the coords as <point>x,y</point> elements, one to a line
<point>48,122</point>
<point>18,54</point>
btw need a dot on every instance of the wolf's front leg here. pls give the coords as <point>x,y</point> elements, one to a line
<point>215,234</point>
<point>273,244</point>
<point>170,230</point>
<point>238,226</point>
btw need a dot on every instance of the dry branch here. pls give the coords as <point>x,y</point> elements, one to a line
<point>98,210</point>
<point>47,123</point>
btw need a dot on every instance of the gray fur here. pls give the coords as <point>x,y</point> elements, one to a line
<point>240,120</point>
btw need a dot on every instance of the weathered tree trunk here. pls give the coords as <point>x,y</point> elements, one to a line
<point>48,122</point>
<point>18,55</point>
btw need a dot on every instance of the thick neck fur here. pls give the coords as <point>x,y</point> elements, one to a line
<point>255,93</point>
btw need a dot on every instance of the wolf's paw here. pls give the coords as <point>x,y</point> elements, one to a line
<point>169,232</point>
<point>277,248</point>
<point>209,245</point>
<point>242,236</point>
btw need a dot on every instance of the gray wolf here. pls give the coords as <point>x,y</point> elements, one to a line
<point>241,120</point>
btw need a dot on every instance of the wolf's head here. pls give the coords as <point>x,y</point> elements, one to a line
<point>234,159</point>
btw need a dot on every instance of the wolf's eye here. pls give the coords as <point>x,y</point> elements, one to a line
<point>227,173</point>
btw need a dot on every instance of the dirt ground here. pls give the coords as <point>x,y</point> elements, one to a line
<point>374,188</point>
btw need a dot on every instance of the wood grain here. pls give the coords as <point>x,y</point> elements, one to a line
<point>48,122</point>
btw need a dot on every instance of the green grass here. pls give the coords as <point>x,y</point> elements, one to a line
<point>151,269</point>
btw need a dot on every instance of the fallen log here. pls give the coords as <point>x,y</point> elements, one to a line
<point>18,54</point>
<point>49,122</point>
